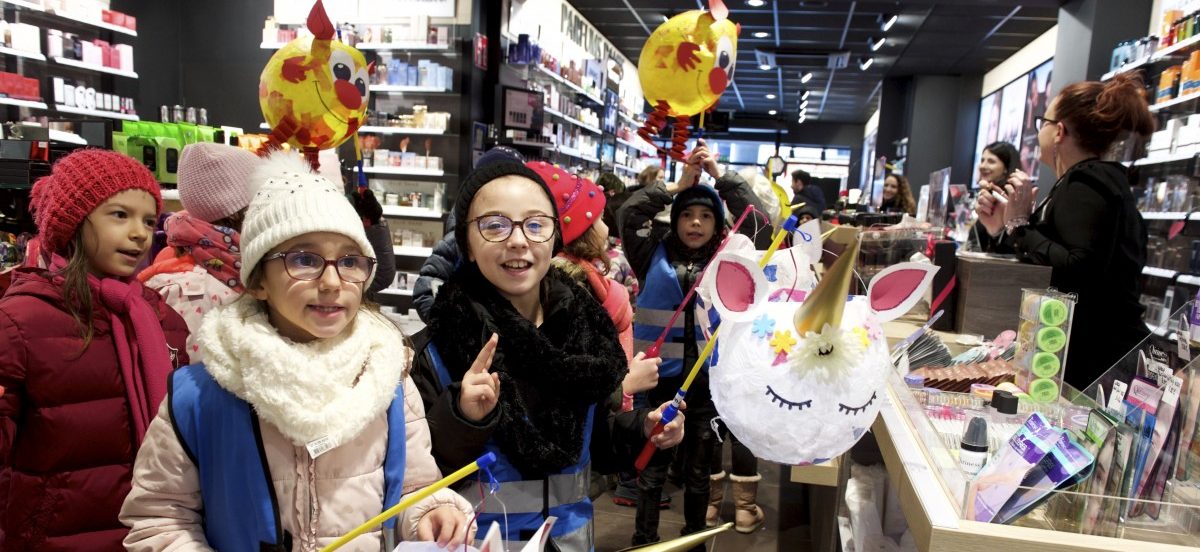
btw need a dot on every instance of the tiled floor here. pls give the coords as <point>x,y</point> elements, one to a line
<point>614,524</point>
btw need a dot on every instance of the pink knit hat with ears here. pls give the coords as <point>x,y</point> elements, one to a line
<point>214,179</point>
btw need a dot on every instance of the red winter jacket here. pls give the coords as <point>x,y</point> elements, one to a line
<point>67,441</point>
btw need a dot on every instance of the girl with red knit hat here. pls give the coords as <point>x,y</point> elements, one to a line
<point>85,352</point>
<point>584,257</point>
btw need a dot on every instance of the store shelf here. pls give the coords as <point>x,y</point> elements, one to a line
<point>570,85</point>
<point>401,130</point>
<point>414,46</point>
<point>1159,159</point>
<point>96,24</point>
<point>574,121</point>
<point>1188,279</point>
<point>404,171</point>
<point>572,152</point>
<point>640,146</point>
<point>1158,272</point>
<point>411,212</point>
<point>398,89</point>
<point>96,113</point>
<point>22,53</point>
<point>1175,48</point>
<point>272,45</point>
<point>1171,103</point>
<point>396,292</point>
<point>94,67</point>
<point>410,251</point>
<point>1171,215</point>
<point>625,168</point>
<point>27,5</point>
<point>23,103</point>
<point>1161,332</point>
<point>1131,66</point>
<point>527,143</point>
<point>628,119</point>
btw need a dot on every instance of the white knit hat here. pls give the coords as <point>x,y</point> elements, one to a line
<point>292,201</point>
<point>214,179</point>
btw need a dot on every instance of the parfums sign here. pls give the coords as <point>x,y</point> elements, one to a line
<point>578,30</point>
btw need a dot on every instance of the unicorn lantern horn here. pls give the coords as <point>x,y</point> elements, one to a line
<point>824,306</point>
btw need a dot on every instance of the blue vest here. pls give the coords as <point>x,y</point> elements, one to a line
<point>659,297</point>
<point>521,501</point>
<point>221,435</point>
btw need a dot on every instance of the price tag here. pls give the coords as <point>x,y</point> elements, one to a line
<point>1185,350</point>
<point>1116,402</point>
<point>1174,387</point>
<point>319,446</point>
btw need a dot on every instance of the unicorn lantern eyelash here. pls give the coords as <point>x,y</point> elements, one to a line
<point>813,360</point>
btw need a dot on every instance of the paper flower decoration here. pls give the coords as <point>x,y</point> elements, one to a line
<point>825,393</point>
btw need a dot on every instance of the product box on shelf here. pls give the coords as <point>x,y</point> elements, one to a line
<point>26,38</point>
<point>1042,338</point>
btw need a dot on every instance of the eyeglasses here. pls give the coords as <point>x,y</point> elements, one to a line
<point>497,228</point>
<point>303,265</point>
<point>1039,122</point>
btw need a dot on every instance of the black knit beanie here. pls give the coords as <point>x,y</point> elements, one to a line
<point>480,177</point>
<point>698,194</point>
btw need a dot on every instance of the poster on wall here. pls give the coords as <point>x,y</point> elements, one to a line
<point>989,128</point>
<point>1035,106</point>
<point>1012,111</point>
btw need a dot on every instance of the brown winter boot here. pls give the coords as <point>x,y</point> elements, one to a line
<point>716,495</point>
<point>745,501</point>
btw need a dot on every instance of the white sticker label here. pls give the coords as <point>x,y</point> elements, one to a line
<point>1174,387</point>
<point>1116,402</point>
<point>1159,371</point>
<point>319,446</point>
<point>1185,351</point>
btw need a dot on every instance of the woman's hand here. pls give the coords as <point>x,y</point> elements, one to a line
<point>991,211</point>
<point>480,390</point>
<point>445,524</point>
<point>1021,195</point>
<point>672,433</point>
<point>642,376</point>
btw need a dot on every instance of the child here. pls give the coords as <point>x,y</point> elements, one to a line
<point>301,424</point>
<point>517,358</point>
<point>85,353</point>
<point>668,259</point>
<point>199,271</point>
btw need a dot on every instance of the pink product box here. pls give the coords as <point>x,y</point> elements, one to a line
<point>123,55</point>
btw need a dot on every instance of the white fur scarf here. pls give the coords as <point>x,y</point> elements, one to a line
<point>329,388</point>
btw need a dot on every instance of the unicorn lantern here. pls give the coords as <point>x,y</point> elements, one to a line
<point>801,375</point>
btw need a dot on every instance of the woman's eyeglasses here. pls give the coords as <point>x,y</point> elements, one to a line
<point>303,265</point>
<point>1039,122</point>
<point>497,228</point>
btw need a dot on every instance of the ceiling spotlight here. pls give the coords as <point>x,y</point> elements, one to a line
<point>865,62</point>
<point>770,96</point>
<point>801,119</point>
<point>804,104</point>
<point>807,76</point>
<point>765,67</point>
<point>755,3</point>
<point>772,112</point>
<point>804,95</point>
<point>876,43</point>
<point>761,34</point>
<point>886,21</point>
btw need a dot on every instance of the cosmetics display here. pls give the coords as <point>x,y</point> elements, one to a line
<point>424,73</point>
<point>420,118</point>
<point>414,31</point>
<point>97,52</point>
<point>1042,338</point>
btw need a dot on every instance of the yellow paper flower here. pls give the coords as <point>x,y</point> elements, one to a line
<point>783,341</point>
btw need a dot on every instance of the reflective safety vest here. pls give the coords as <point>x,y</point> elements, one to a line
<point>659,297</point>
<point>220,434</point>
<point>521,505</point>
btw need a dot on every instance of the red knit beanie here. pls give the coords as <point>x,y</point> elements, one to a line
<point>580,202</point>
<point>78,184</point>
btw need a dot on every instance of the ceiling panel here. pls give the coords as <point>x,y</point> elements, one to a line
<point>943,37</point>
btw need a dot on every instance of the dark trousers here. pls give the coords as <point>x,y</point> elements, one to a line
<point>744,462</point>
<point>697,448</point>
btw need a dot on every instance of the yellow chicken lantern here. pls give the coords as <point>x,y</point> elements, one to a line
<point>314,91</point>
<point>685,66</point>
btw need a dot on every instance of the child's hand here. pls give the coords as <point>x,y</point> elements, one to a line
<point>480,390</point>
<point>672,433</point>
<point>708,160</point>
<point>445,524</point>
<point>642,376</point>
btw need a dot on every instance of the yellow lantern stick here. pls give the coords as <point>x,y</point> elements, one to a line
<point>672,409</point>
<point>482,463</point>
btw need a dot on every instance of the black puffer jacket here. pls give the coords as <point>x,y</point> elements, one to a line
<point>550,375</point>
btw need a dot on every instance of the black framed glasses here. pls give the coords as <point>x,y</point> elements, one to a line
<point>1039,121</point>
<point>497,228</point>
<point>304,265</point>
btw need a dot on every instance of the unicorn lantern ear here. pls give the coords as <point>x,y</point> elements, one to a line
<point>895,290</point>
<point>737,286</point>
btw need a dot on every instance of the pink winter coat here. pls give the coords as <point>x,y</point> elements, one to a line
<point>189,289</point>
<point>164,513</point>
